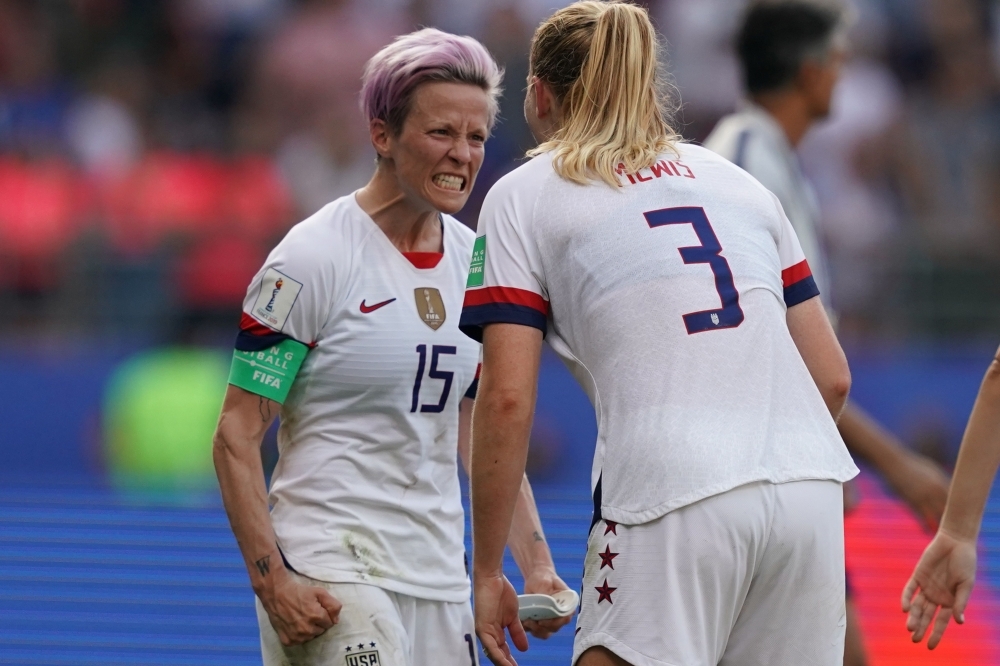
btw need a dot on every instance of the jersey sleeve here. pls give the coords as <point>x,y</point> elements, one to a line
<point>796,276</point>
<point>505,284</point>
<point>286,305</point>
<point>474,386</point>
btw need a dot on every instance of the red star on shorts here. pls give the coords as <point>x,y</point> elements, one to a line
<point>605,592</point>
<point>606,557</point>
<point>611,526</point>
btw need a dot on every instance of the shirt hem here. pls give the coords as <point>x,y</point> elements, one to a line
<point>631,517</point>
<point>609,642</point>
<point>330,575</point>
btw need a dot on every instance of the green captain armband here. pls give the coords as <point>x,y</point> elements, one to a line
<point>270,371</point>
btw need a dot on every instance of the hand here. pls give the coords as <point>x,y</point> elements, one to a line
<point>943,579</point>
<point>922,485</point>
<point>496,609</point>
<point>299,613</point>
<point>545,581</point>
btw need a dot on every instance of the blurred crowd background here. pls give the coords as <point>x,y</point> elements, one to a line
<point>151,153</point>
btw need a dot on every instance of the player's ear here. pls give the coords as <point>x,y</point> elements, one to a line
<point>809,76</point>
<point>546,106</point>
<point>380,136</point>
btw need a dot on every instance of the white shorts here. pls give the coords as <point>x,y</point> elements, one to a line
<point>379,628</point>
<point>753,576</point>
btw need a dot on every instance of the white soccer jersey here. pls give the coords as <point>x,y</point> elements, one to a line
<point>666,298</point>
<point>752,140</point>
<point>366,487</point>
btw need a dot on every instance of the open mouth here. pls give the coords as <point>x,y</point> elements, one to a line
<point>451,183</point>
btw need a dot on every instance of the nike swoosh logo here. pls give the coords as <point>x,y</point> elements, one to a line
<point>365,309</point>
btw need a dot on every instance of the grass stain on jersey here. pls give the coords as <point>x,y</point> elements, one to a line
<point>365,553</point>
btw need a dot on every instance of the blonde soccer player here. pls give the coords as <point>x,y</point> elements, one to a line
<point>350,332</point>
<point>942,581</point>
<point>675,289</point>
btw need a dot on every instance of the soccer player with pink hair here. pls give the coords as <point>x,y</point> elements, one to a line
<point>350,331</point>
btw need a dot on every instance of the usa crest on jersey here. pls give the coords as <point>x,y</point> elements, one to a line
<point>366,658</point>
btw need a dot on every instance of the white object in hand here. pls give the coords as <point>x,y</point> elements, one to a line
<point>545,607</point>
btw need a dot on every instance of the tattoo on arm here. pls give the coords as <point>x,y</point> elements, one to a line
<point>538,537</point>
<point>264,406</point>
<point>264,565</point>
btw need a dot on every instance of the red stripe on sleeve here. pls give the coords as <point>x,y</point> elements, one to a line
<point>479,370</point>
<point>492,295</point>
<point>793,274</point>
<point>254,327</point>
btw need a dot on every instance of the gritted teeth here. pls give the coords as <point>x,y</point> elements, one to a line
<point>446,182</point>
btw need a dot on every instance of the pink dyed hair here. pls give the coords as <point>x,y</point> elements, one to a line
<point>395,72</point>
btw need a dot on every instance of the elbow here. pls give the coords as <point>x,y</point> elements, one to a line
<point>508,406</point>
<point>223,451</point>
<point>991,381</point>
<point>842,386</point>
<point>838,390</point>
<point>220,450</point>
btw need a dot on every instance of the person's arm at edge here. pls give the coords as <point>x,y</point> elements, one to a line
<point>526,540</point>
<point>501,428</point>
<point>297,614</point>
<point>817,344</point>
<point>915,478</point>
<point>946,572</point>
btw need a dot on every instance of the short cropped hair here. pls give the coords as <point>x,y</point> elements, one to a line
<point>394,73</point>
<point>778,36</point>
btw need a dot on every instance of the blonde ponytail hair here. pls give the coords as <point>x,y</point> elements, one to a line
<point>601,60</point>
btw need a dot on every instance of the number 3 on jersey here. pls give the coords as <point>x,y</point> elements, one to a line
<point>730,315</point>
<point>433,373</point>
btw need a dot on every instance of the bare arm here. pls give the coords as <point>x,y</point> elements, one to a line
<point>298,613</point>
<point>916,478</point>
<point>943,578</point>
<point>817,344</point>
<point>978,459</point>
<point>502,425</point>
<point>526,539</point>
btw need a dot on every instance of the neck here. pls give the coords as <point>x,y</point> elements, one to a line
<point>411,228</point>
<point>790,111</point>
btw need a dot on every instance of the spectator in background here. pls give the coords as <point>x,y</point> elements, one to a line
<point>791,52</point>
<point>306,90</point>
<point>102,127</point>
<point>33,96</point>
<point>859,221</point>
<point>698,34</point>
<point>943,158</point>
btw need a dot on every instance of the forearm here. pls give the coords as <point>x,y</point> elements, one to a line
<point>527,540</point>
<point>978,460</point>
<point>244,495</point>
<point>499,451</point>
<point>867,440</point>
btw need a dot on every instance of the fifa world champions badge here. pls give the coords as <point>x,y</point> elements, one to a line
<point>430,306</point>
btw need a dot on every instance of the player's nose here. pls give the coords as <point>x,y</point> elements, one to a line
<point>461,151</point>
